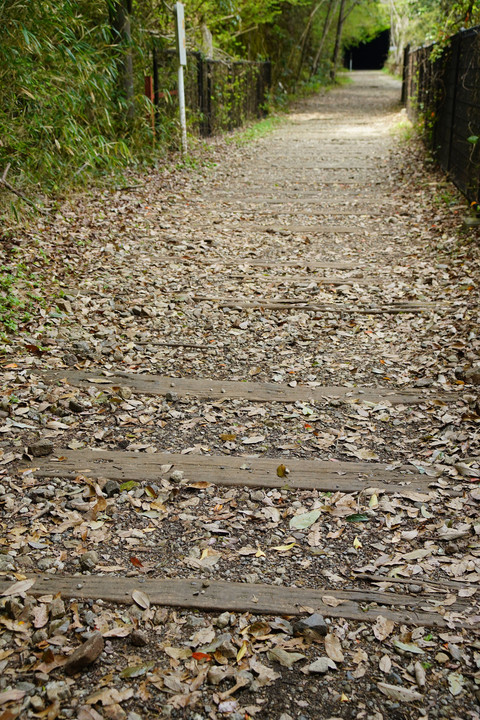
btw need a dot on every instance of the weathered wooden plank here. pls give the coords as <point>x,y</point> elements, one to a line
<point>304,229</point>
<point>298,304</point>
<point>258,262</point>
<point>237,470</point>
<point>305,279</point>
<point>230,389</point>
<point>219,596</point>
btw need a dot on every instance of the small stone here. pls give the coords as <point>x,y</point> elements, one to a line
<point>57,608</point>
<point>138,311</point>
<point>59,626</point>
<point>472,375</point>
<point>41,448</point>
<point>6,563</point>
<point>36,702</point>
<point>227,649</point>
<point>177,475</point>
<point>321,666</point>
<point>223,620</point>
<point>75,406</point>
<point>442,658</point>
<point>70,359</point>
<point>39,636</point>
<point>312,627</point>
<point>132,715</point>
<point>85,655</point>
<point>415,589</point>
<point>28,687</point>
<point>82,348</point>
<point>89,560</point>
<point>125,392</point>
<point>57,690</point>
<point>111,488</point>
<point>138,638</point>
<point>13,607</point>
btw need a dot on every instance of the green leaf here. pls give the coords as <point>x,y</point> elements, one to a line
<point>137,670</point>
<point>408,647</point>
<point>129,485</point>
<point>301,522</point>
<point>357,517</point>
<point>473,139</point>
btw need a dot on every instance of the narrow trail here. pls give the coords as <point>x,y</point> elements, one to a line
<point>260,421</point>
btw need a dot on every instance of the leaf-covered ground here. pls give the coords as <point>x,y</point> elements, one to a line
<point>150,279</point>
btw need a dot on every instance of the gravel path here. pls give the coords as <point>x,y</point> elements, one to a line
<point>322,254</point>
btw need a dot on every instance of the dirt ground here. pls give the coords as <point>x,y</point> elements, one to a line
<point>328,252</point>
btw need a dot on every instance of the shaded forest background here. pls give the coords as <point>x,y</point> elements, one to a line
<point>72,102</point>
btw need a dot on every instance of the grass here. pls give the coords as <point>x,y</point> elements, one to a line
<point>404,130</point>
<point>257,130</point>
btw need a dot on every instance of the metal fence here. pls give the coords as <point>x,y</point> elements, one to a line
<point>445,92</point>
<point>220,95</point>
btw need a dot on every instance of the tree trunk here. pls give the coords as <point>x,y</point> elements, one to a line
<point>119,12</point>
<point>305,39</point>
<point>326,29</point>
<point>338,40</point>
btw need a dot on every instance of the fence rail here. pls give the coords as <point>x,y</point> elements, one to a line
<point>220,95</point>
<point>445,92</point>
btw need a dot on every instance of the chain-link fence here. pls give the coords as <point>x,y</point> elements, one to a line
<point>220,95</point>
<point>444,90</point>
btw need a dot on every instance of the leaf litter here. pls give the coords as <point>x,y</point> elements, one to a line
<point>120,275</point>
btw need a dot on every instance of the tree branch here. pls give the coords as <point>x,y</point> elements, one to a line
<point>19,193</point>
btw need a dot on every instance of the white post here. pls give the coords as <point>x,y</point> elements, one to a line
<point>181,102</point>
<point>182,61</point>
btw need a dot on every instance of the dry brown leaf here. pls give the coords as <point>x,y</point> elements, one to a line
<point>141,599</point>
<point>383,628</point>
<point>333,648</point>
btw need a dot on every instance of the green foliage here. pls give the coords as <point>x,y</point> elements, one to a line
<point>364,23</point>
<point>60,113</point>
<point>63,116</point>
<point>14,308</point>
<point>436,20</point>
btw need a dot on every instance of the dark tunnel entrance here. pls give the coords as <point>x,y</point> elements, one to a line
<point>369,56</point>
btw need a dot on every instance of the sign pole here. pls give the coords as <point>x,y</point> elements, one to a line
<point>182,61</point>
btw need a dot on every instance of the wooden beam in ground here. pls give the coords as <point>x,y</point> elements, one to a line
<point>236,470</point>
<point>218,596</point>
<point>258,262</point>
<point>279,279</point>
<point>298,304</point>
<point>304,229</point>
<point>250,391</point>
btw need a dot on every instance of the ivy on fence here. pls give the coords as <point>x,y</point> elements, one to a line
<point>443,90</point>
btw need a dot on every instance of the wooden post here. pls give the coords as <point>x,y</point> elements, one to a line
<point>149,92</point>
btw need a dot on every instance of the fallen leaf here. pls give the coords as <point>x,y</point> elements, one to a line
<point>383,628</point>
<point>201,656</point>
<point>287,659</point>
<point>135,671</point>
<point>141,599</point>
<point>284,548</point>
<point>301,522</point>
<point>398,693</point>
<point>18,588</point>
<point>408,647</point>
<point>455,683</point>
<point>385,664</point>
<point>253,440</point>
<point>331,601</point>
<point>333,648</point>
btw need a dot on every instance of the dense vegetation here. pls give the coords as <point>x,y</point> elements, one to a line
<point>71,71</point>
